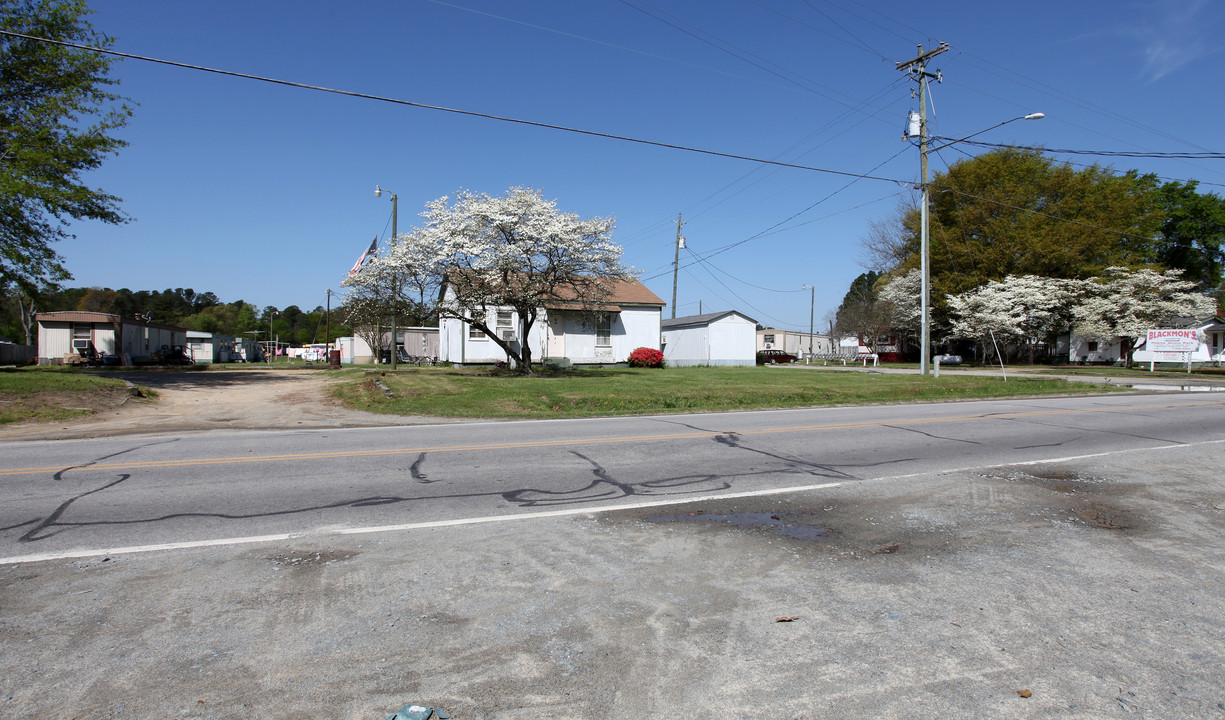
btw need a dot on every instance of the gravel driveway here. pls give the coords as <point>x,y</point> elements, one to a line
<point>219,399</point>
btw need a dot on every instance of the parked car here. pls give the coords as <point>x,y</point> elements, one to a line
<point>773,357</point>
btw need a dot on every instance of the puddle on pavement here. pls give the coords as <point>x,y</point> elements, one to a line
<point>1093,502</point>
<point>787,524</point>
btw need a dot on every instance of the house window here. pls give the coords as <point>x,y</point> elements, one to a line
<point>767,338</point>
<point>506,330</point>
<point>475,333</point>
<point>603,330</point>
<point>1092,346</point>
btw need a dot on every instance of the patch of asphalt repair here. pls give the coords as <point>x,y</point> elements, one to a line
<point>1082,588</point>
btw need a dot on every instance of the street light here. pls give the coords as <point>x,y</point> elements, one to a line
<point>811,310</point>
<point>925,230</point>
<point>378,192</point>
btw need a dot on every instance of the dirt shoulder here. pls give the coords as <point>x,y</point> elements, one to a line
<point>191,401</point>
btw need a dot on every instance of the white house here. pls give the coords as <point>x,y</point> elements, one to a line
<point>628,319</point>
<point>1084,349</point>
<point>726,338</point>
<point>62,334</point>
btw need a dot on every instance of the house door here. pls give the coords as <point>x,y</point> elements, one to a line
<point>557,336</point>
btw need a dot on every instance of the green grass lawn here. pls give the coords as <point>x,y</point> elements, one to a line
<point>48,395</point>
<point>481,393</point>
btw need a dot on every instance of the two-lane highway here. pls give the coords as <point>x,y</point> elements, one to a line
<point>89,496</point>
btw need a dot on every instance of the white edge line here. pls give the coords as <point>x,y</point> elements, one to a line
<point>223,542</point>
<point>219,542</point>
<point>581,511</point>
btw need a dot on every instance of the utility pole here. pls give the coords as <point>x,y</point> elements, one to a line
<point>812,309</point>
<point>676,262</point>
<point>918,69</point>
<point>395,284</point>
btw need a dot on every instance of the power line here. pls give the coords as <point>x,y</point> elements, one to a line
<point>1102,153</point>
<point>456,111</point>
<point>623,48</point>
<point>771,231</point>
<point>741,54</point>
<point>1082,165</point>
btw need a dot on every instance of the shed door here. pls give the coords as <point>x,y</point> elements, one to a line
<point>557,336</point>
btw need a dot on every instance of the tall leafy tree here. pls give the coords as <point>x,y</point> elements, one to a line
<point>1019,212</point>
<point>1192,233</point>
<point>58,116</point>
<point>860,314</point>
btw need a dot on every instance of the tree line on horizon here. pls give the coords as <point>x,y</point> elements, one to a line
<point>182,307</point>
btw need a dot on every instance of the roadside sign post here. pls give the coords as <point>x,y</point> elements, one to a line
<point>1173,342</point>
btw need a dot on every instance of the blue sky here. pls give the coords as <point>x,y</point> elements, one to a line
<point>264,193</point>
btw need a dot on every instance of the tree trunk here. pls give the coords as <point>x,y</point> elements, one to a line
<point>27,317</point>
<point>526,320</point>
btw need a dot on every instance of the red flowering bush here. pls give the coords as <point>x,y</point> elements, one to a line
<point>646,357</point>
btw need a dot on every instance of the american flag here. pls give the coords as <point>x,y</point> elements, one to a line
<point>372,250</point>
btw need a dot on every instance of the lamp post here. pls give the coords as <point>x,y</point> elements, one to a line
<point>925,220</point>
<point>378,192</point>
<point>811,311</point>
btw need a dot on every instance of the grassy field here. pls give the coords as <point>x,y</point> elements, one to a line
<point>49,395</point>
<point>470,392</point>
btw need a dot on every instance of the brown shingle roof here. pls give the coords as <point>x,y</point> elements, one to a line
<point>622,292</point>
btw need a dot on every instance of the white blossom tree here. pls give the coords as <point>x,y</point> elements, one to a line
<point>1024,309</point>
<point>394,283</point>
<point>901,303</point>
<point>1128,303</point>
<point>479,253</point>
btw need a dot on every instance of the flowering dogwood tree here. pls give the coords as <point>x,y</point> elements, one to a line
<point>902,304</point>
<point>1024,309</point>
<point>1128,303</point>
<point>477,253</point>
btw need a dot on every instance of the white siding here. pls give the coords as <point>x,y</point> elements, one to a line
<point>728,341</point>
<point>632,328</point>
<point>104,339</point>
<point>687,346</point>
<point>54,339</point>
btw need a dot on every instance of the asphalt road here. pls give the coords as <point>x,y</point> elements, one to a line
<point>937,561</point>
<point>93,495</point>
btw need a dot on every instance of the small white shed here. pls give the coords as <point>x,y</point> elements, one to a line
<point>206,347</point>
<point>723,339</point>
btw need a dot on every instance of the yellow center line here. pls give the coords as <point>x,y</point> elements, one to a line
<point>197,462</point>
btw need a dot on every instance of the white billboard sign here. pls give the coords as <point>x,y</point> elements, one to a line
<point>1183,341</point>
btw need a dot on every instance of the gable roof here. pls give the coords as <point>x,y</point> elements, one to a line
<point>621,292</point>
<point>697,320</point>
